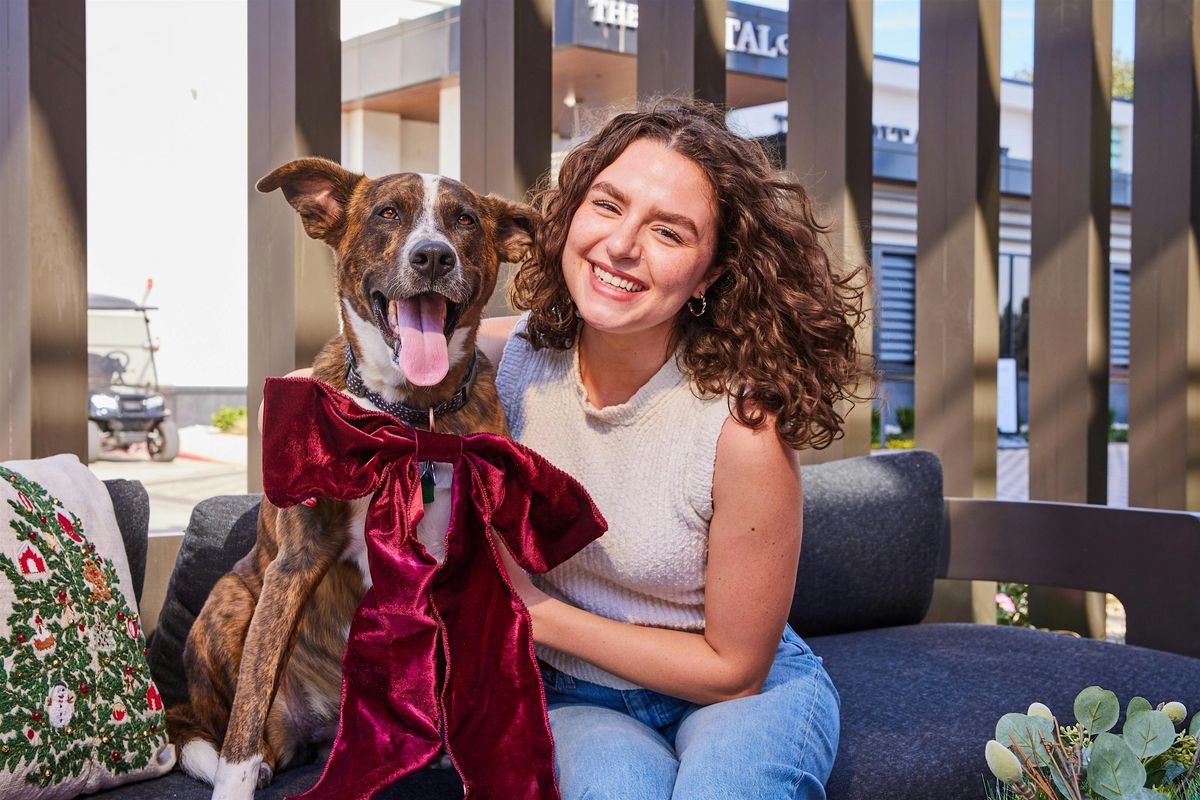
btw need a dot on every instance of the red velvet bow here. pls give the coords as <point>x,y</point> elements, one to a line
<point>462,618</point>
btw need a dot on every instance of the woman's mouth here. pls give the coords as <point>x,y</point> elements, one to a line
<point>615,281</point>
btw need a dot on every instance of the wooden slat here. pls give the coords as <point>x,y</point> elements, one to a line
<point>1069,289</point>
<point>43,206</point>
<point>1069,286</point>
<point>958,202</point>
<point>16,419</point>
<point>1164,360</point>
<point>829,149</point>
<point>681,49</point>
<point>294,105</point>
<point>505,96</point>
<point>1146,558</point>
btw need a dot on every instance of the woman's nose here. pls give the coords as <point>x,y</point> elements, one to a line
<point>622,243</point>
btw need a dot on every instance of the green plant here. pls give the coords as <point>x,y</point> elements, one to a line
<point>875,425</point>
<point>228,419</point>
<point>1036,758</point>
<point>906,419</point>
<point>1117,432</point>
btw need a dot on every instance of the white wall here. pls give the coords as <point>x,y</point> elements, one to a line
<point>895,106</point>
<point>167,180</point>
<point>377,143</point>
<point>449,141</point>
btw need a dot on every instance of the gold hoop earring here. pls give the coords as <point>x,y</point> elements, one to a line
<point>703,306</point>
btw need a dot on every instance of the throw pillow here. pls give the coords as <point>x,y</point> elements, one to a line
<point>79,711</point>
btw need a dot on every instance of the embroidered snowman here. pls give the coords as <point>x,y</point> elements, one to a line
<point>60,705</point>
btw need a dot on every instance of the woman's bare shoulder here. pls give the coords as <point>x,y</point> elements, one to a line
<point>493,334</point>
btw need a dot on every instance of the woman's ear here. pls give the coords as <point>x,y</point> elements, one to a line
<point>717,276</point>
<point>515,224</point>
<point>319,190</point>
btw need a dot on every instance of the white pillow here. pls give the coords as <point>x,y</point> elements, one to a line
<point>79,711</point>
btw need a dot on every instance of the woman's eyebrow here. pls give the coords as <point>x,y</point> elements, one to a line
<point>666,216</point>
<point>611,191</point>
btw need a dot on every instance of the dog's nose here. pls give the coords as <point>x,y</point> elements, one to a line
<point>432,259</point>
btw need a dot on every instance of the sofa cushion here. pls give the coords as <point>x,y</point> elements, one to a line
<point>131,504</point>
<point>426,784</point>
<point>873,528</point>
<point>919,702</point>
<point>221,530</point>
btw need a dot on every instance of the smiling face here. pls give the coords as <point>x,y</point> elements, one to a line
<point>642,242</point>
<point>417,258</point>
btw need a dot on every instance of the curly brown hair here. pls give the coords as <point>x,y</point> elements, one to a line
<point>779,335</point>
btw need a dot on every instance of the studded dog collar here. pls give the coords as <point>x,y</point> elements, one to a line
<point>416,417</point>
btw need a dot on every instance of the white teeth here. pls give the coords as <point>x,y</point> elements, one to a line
<point>613,280</point>
<point>393,317</point>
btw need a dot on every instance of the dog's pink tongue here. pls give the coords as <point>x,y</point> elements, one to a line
<point>421,321</point>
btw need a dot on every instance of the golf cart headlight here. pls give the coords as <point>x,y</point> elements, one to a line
<point>153,403</point>
<point>104,402</point>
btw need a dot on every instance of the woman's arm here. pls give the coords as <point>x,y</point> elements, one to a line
<point>753,551</point>
<point>493,334</point>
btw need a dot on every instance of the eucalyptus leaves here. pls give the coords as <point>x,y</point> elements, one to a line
<point>1036,757</point>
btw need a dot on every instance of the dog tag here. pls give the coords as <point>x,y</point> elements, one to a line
<point>427,483</point>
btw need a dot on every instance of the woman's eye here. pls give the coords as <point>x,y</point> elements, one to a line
<point>670,234</point>
<point>465,220</point>
<point>389,213</point>
<point>607,206</point>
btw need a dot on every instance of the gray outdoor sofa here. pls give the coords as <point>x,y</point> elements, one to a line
<point>918,700</point>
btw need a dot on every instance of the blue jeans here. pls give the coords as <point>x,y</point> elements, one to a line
<point>642,745</point>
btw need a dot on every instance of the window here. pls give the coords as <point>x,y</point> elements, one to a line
<point>1014,309</point>
<point>895,289</point>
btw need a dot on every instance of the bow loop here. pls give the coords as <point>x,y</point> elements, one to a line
<point>323,444</point>
<point>543,514</point>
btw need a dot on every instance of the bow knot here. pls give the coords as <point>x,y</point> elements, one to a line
<point>433,446</point>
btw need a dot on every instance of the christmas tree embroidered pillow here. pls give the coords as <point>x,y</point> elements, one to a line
<point>79,711</point>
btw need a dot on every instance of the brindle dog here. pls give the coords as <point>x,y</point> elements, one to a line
<point>417,258</point>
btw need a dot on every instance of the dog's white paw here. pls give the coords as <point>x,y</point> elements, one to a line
<point>199,759</point>
<point>237,781</point>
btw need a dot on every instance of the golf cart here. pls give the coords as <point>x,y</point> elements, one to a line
<point>124,404</point>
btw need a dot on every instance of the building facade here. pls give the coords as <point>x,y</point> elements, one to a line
<point>400,97</point>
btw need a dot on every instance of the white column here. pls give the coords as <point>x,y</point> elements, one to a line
<point>449,139</point>
<point>371,142</point>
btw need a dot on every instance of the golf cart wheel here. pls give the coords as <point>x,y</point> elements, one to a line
<point>93,451</point>
<point>163,441</point>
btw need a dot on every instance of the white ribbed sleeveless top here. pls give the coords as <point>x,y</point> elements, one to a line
<point>648,465</point>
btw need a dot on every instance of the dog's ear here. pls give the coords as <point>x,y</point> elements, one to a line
<point>515,226</point>
<point>317,188</point>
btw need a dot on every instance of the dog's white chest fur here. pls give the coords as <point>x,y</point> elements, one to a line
<point>431,530</point>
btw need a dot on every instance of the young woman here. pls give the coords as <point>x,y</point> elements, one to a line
<point>685,333</point>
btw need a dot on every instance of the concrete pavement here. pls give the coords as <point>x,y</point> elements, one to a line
<point>210,463</point>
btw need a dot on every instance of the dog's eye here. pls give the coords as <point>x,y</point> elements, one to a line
<point>389,213</point>
<point>466,220</point>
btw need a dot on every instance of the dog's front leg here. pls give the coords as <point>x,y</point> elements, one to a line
<point>288,582</point>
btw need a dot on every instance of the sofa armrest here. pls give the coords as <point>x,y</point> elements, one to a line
<point>1148,558</point>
